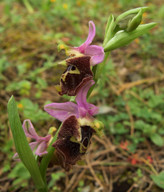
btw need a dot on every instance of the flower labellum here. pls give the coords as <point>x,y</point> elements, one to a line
<point>76,75</point>
<point>72,142</point>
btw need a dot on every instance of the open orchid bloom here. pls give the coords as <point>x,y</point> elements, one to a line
<point>72,142</point>
<point>40,143</point>
<point>79,63</point>
<point>62,111</point>
<point>95,52</point>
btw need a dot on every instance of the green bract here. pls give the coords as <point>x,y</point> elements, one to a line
<point>123,38</point>
<point>134,23</point>
<point>125,28</point>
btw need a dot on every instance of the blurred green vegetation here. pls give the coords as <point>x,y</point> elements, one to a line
<point>30,32</point>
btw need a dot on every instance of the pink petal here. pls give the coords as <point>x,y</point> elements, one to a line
<point>91,35</point>
<point>62,111</point>
<point>33,145</point>
<point>29,129</point>
<point>81,99</point>
<point>41,149</point>
<point>16,157</point>
<point>92,109</point>
<point>96,53</point>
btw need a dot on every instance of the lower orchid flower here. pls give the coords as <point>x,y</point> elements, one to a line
<point>77,128</point>
<point>40,144</point>
<point>79,64</point>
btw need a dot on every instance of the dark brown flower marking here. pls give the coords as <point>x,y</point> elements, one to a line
<point>78,72</point>
<point>72,142</point>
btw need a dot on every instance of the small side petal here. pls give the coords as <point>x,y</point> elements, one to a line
<point>62,111</point>
<point>41,149</point>
<point>91,35</point>
<point>29,129</point>
<point>16,157</point>
<point>92,109</point>
<point>96,53</point>
<point>33,145</point>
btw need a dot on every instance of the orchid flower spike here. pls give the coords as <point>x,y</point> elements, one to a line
<point>62,111</point>
<point>40,143</point>
<point>79,63</point>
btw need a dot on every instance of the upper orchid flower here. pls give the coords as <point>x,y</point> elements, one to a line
<point>40,143</point>
<point>79,63</point>
<point>62,111</point>
<point>95,52</point>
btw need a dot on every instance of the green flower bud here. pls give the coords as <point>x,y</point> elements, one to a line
<point>128,21</point>
<point>124,20</point>
<point>129,12</point>
<point>123,38</point>
<point>109,29</point>
<point>123,23</point>
<point>134,23</point>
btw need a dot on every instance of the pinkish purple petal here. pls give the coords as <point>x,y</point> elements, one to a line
<point>91,35</point>
<point>29,129</point>
<point>96,53</point>
<point>41,149</point>
<point>92,109</point>
<point>33,145</point>
<point>62,111</point>
<point>16,157</point>
<point>81,99</point>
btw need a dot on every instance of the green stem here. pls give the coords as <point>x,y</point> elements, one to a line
<point>46,159</point>
<point>28,6</point>
<point>97,70</point>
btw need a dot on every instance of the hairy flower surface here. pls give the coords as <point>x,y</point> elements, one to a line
<point>72,142</point>
<point>76,75</point>
<point>62,111</point>
<point>79,63</point>
<point>40,143</point>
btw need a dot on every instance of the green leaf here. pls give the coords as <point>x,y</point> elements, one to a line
<point>157,139</point>
<point>159,179</point>
<point>22,146</point>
